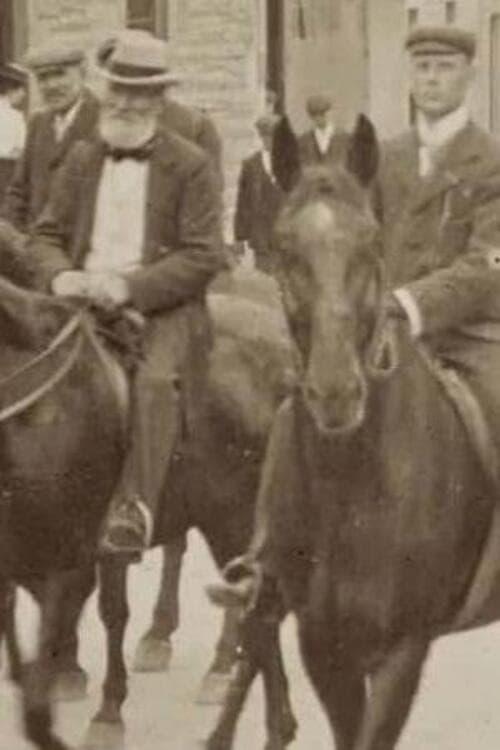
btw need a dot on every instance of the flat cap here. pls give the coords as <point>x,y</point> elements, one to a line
<point>265,124</point>
<point>317,104</point>
<point>13,74</point>
<point>441,40</point>
<point>53,56</point>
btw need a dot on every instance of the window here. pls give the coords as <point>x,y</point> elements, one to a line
<point>149,15</point>
<point>450,11</point>
<point>412,17</point>
<point>315,18</point>
<point>494,73</point>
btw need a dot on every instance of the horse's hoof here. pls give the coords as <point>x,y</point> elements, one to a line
<point>104,735</point>
<point>152,655</point>
<point>70,686</point>
<point>213,689</point>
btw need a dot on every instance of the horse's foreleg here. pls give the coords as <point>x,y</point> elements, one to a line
<point>339,685</point>
<point>71,679</point>
<point>223,735</point>
<point>38,678</point>
<point>154,651</point>
<point>11,639</point>
<point>262,641</point>
<point>392,690</point>
<point>107,727</point>
<point>217,680</point>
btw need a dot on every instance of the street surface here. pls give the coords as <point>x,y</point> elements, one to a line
<point>457,708</point>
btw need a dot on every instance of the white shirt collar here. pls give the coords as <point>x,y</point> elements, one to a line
<point>439,133</point>
<point>434,136</point>
<point>323,136</point>
<point>266,162</point>
<point>64,120</point>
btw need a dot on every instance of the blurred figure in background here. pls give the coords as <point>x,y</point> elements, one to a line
<point>69,115</point>
<point>13,90</point>
<point>259,198</point>
<point>323,144</point>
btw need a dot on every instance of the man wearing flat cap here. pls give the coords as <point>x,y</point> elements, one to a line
<point>69,114</point>
<point>440,199</point>
<point>259,197</point>
<point>157,262</point>
<point>323,144</point>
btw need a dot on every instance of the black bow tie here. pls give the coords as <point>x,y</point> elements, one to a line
<point>142,153</point>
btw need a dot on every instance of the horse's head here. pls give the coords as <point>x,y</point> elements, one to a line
<point>330,277</point>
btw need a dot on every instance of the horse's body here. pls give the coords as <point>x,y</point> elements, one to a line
<point>212,485</point>
<point>60,457</point>
<point>378,507</point>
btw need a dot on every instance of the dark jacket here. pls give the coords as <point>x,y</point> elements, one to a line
<point>442,243</point>
<point>310,155</point>
<point>42,156</point>
<point>196,127</point>
<point>181,244</point>
<point>258,202</point>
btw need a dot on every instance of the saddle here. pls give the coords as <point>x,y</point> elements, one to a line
<point>481,605</point>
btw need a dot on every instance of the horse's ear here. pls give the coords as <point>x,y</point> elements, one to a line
<point>285,160</point>
<point>363,155</point>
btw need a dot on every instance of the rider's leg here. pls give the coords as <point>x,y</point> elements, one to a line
<point>243,576</point>
<point>153,434</point>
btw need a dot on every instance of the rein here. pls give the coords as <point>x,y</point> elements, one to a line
<point>76,325</point>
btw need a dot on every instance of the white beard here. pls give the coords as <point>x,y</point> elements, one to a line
<point>118,132</point>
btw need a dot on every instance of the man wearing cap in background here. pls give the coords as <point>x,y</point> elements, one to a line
<point>440,197</point>
<point>70,114</point>
<point>323,144</point>
<point>259,197</point>
<point>158,262</point>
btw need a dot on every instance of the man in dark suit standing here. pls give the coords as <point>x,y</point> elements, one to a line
<point>259,197</point>
<point>323,144</point>
<point>158,262</point>
<point>70,114</point>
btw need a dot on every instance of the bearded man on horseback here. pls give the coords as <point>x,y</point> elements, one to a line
<point>439,200</point>
<point>134,222</point>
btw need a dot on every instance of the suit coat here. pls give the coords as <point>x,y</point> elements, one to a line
<point>442,242</point>
<point>258,202</point>
<point>310,155</point>
<point>43,155</point>
<point>181,249</point>
<point>196,127</point>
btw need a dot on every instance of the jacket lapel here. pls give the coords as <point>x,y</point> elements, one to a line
<point>85,119</point>
<point>157,192</point>
<point>458,162</point>
<point>86,211</point>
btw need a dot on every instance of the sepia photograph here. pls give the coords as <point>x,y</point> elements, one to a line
<point>249,374</point>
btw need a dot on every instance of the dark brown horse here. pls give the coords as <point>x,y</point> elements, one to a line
<point>379,506</point>
<point>61,443</point>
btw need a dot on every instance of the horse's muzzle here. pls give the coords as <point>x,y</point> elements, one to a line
<point>340,410</point>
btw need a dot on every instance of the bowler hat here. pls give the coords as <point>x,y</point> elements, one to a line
<point>318,104</point>
<point>441,40</point>
<point>135,58</point>
<point>53,56</point>
<point>13,75</point>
